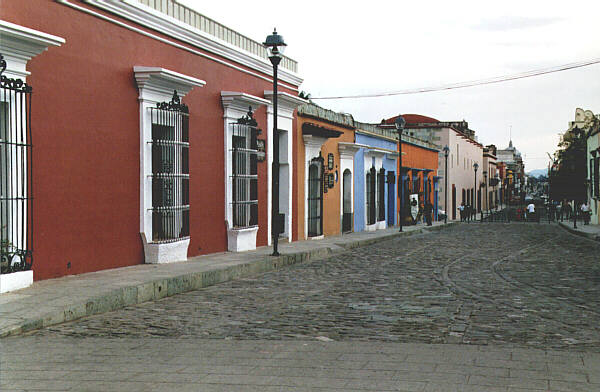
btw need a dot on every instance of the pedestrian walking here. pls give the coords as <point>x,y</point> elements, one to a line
<point>530,215</point>
<point>585,209</point>
<point>568,210</point>
<point>428,210</point>
<point>461,209</point>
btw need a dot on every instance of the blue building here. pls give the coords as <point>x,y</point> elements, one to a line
<point>375,166</point>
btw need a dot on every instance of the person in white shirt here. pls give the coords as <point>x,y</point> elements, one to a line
<point>530,211</point>
<point>584,212</point>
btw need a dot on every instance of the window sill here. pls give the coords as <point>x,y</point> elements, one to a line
<point>241,239</point>
<point>15,281</point>
<point>372,227</point>
<point>168,252</point>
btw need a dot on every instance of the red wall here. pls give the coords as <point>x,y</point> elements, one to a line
<point>85,122</point>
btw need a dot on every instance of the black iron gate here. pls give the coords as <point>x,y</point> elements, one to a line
<point>371,187</point>
<point>381,195</point>
<point>347,202</point>
<point>244,178</point>
<point>315,197</point>
<point>170,171</point>
<point>16,187</point>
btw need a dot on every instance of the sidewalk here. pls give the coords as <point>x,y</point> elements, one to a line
<point>588,231</point>
<point>55,301</point>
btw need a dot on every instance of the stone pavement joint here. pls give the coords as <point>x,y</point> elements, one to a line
<point>150,364</point>
<point>539,290</point>
<point>55,301</point>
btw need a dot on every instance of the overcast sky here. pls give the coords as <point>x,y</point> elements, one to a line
<point>360,47</point>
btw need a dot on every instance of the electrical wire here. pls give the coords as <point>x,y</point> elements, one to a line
<point>480,82</point>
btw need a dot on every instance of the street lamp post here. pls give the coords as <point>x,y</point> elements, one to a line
<point>487,199</point>
<point>399,123</point>
<point>574,214</point>
<point>496,196</point>
<point>446,151</point>
<point>275,47</point>
<point>475,167</point>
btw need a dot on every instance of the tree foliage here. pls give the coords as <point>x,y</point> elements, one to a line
<point>567,179</point>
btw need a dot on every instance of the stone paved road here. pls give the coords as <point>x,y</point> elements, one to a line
<point>516,285</point>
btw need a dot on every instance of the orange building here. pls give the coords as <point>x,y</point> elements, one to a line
<point>318,202</point>
<point>419,172</point>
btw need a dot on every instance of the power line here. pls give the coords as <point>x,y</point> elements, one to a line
<point>480,82</point>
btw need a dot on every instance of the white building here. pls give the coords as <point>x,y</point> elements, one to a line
<point>465,184</point>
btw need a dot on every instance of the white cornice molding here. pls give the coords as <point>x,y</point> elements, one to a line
<point>314,142</point>
<point>151,18</point>
<point>162,81</point>
<point>348,150</point>
<point>380,152</point>
<point>20,44</point>
<point>240,102</point>
<point>285,100</point>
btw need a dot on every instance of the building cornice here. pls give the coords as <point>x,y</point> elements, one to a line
<point>241,101</point>
<point>155,20</point>
<point>161,81</point>
<point>285,100</point>
<point>373,134</point>
<point>348,150</point>
<point>20,44</point>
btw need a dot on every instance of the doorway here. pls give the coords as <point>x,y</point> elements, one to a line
<point>347,201</point>
<point>315,199</point>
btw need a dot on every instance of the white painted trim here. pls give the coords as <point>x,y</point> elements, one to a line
<point>240,240</point>
<point>235,105</point>
<point>155,85</point>
<point>151,18</point>
<point>312,148</point>
<point>347,152</point>
<point>378,154</point>
<point>15,281</point>
<point>20,44</point>
<point>286,104</point>
<point>163,81</point>
<point>163,253</point>
<point>285,100</point>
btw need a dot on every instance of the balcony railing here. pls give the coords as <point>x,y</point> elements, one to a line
<point>209,26</point>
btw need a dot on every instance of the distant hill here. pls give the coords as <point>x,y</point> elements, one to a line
<point>538,172</point>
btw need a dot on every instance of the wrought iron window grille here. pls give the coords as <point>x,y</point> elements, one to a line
<point>381,195</point>
<point>371,186</point>
<point>244,178</point>
<point>316,187</point>
<point>16,186</point>
<point>170,171</point>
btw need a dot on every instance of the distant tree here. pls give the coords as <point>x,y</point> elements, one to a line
<point>567,179</point>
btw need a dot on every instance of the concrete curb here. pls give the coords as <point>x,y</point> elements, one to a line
<point>591,236</point>
<point>165,287</point>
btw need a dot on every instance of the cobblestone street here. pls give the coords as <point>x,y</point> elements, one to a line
<point>515,285</point>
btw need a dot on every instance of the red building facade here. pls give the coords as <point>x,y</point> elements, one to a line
<point>94,174</point>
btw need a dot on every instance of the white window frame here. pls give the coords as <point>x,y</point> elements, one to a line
<point>18,45</point>
<point>236,105</point>
<point>156,85</point>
